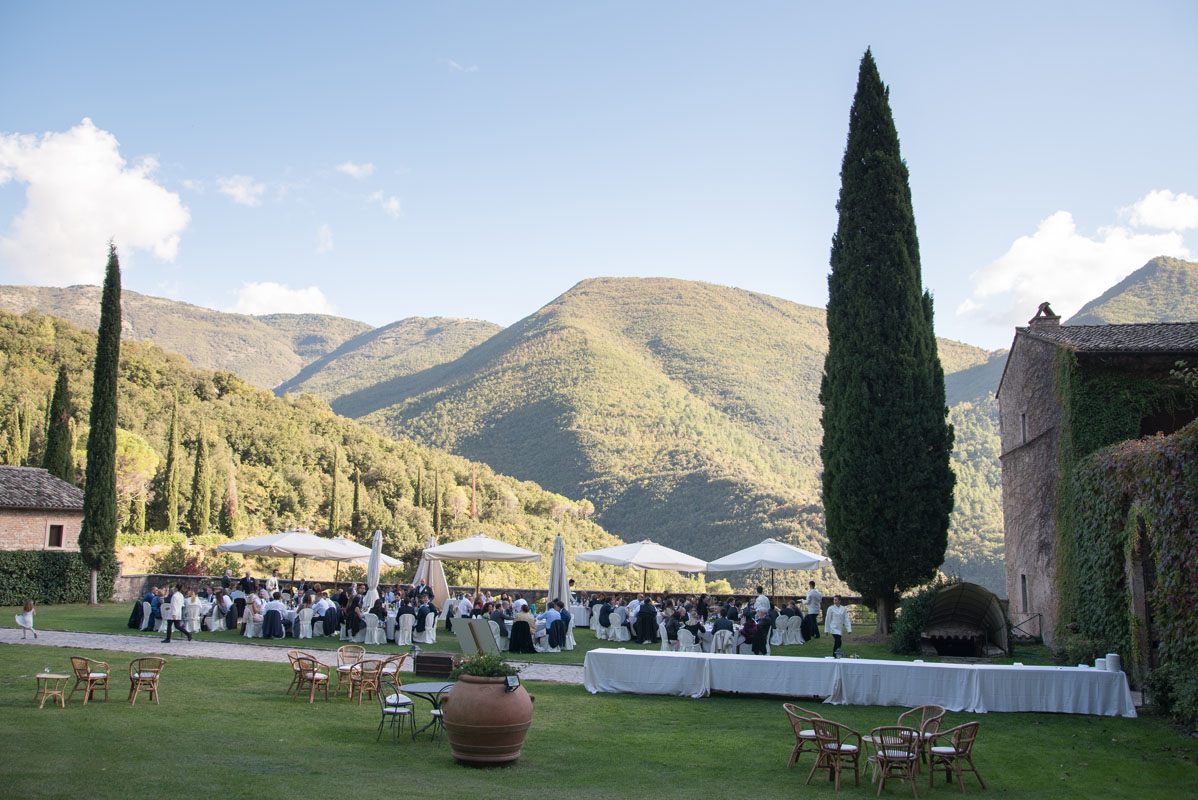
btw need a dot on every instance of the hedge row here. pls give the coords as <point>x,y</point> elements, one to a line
<point>49,576</point>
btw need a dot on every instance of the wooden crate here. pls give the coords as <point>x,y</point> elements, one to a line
<point>435,665</point>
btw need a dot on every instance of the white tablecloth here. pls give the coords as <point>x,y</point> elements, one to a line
<point>957,687</point>
<point>581,615</point>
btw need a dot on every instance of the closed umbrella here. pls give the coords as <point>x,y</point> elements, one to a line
<point>559,584</point>
<point>770,554</point>
<point>372,569</point>
<point>433,574</point>
<point>480,548</point>
<point>644,555</point>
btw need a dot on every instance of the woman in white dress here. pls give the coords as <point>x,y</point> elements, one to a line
<point>25,620</point>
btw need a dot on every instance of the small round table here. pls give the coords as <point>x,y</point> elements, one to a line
<point>51,685</point>
<point>432,692</point>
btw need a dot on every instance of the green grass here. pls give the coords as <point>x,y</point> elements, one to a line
<point>227,729</point>
<point>112,618</point>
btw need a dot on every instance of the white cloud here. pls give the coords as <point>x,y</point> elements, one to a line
<point>324,239</point>
<point>1164,210</point>
<point>272,298</point>
<point>390,205</point>
<point>242,189</point>
<point>79,193</point>
<point>1063,266</point>
<point>358,171</point>
<point>456,67</point>
<point>194,186</point>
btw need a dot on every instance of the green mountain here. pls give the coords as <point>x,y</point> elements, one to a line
<point>282,451</point>
<point>374,357</point>
<point>262,350</point>
<point>1163,290</point>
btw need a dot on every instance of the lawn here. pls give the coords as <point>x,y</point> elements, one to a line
<point>112,618</point>
<point>227,729</point>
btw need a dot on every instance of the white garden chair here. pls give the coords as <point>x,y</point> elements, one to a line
<point>374,631</point>
<point>403,631</point>
<point>303,624</point>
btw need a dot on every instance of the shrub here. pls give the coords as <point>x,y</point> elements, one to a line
<point>484,665</point>
<point>48,577</point>
<point>179,561</point>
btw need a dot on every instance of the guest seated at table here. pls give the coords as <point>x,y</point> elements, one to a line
<point>792,609</point>
<point>422,614</point>
<point>464,606</point>
<point>405,607</point>
<point>564,613</point>
<point>496,615</point>
<point>621,612</point>
<point>549,615</point>
<point>259,607</point>
<point>596,600</point>
<point>634,605</point>
<point>527,614</point>
<point>605,614</point>
<point>644,630</point>
<point>747,631</point>
<point>353,615</point>
<point>694,627</point>
<point>673,625</point>
<point>274,604</point>
<point>723,622</point>
<point>379,610</point>
<point>761,636</point>
<point>701,607</point>
<point>731,611</point>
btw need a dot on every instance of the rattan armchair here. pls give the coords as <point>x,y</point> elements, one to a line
<point>364,678</point>
<point>311,673</point>
<point>896,753</point>
<point>347,656</point>
<point>836,750</point>
<point>805,739</point>
<point>143,675</point>
<point>927,720</point>
<point>90,674</point>
<point>951,750</point>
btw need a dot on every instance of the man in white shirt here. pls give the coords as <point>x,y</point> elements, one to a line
<point>762,603</point>
<point>272,583</point>
<point>274,604</point>
<point>465,607</point>
<point>837,622</point>
<point>172,612</point>
<point>322,605</point>
<point>810,626</point>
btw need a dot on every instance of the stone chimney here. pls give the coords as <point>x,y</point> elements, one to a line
<point>1044,318</point>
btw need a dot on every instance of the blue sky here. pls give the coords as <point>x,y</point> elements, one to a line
<point>471,159</point>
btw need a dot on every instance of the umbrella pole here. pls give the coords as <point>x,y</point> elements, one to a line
<point>772,592</point>
<point>336,574</point>
<point>293,568</point>
<point>477,571</point>
<point>645,583</point>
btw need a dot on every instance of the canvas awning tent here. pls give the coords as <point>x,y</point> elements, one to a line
<point>302,543</point>
<point>769,554</point>
<point>644,555</point>
<point>967,607</point>
<point>480,548</point>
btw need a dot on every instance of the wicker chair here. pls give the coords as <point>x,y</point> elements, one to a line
<point>951,756</point>
<point>364,678</point>
<point>391,667</point>
<point>896,754</point>
<point>310,673</point>
<point>925,719</point>
<point>347,656</point>
<point>90,674</point>
<point>805,739</point>
<point>143,674</point>
<point>292,656</point>
<point>835,750</point>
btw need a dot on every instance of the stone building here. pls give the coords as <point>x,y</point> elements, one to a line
<point>1030,418</point>
<point>38,511</point>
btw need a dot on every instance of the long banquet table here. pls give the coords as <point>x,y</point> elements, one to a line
<point>976,688</point>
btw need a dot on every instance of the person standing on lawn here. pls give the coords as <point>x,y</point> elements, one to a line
<point>172,612</point>
<point>837,623</point>
<point>810,625</point>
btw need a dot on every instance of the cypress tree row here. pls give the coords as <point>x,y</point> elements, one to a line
<point>227,520</point>
<point>355,521</point>
<point>887,481</point>
<point>97,536</point>
<point>436,504</point>
<point>201,490</point>
<point>172,472</point>
<point>58,459</point>
<point>334,516</point>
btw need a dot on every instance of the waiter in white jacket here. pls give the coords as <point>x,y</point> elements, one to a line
<point>176,613</point>
<point>837,623</point>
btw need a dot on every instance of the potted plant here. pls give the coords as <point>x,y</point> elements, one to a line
<point>486,715</point>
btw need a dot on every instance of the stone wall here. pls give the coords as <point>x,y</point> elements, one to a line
<point>1030,416</point>
<point>29,530</point>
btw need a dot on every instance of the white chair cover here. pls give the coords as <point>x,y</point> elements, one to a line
<point>389,626</point>
<point>403,633</point>
<point>191,618</point>
<point>721,642</point>
<point>687,642</point>
<point>374,631</point>
<point>360,636</point>
<point>253,630</point>
<point>429,634</point>
<point>146,611</point>
<point>617,632</point>
<point>570,643</point>
<point>594,623</point>
<point>215,621</point>
<point>780,629</point>
<point>164,610</point>
<point>666,644</point>
<point>795,632</point>
<point>303,624</point>
<point>504,643</point>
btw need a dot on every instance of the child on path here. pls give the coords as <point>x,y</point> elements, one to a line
<point>25,620</point>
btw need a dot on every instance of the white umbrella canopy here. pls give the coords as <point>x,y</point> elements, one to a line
<point>302,543</point>
<point>372,569</point>
<point>644,555</point>
<point>559,584</point>
<point>433,574</point>
<point>479,548</point>
<point>351,552</point>
<point>769,554</point>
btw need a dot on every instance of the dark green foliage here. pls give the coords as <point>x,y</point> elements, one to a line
<point>334,511</point>
<point>137,516</point>
<point>436,504</point>
<point>170,493</point>
<point>59,458</point>
<point>227,521</point>
<point>887,483</point>
<point>914,616</point>
<point>355,523</point>
<point>484,665</point>
<point>97,538</point>
<point>200,513</point>
<point>50,576</point>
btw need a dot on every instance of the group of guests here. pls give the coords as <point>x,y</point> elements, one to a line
<point>755,619</point>
<point>505,610</point>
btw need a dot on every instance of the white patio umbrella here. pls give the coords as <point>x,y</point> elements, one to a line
<point>372,569</point>
<point>296,542</point>
<point>433,574</point>
<point>350,552</point>
<point>770,554</point>
<point>480,548</point>
<point>559,584</point>
<point>644,555</point>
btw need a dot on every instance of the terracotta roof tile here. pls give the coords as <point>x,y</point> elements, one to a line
<point>33,488</point>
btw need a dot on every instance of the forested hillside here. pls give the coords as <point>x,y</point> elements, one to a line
<point>263,351</point>
<point>281,455</point>
<point>1163,290</point>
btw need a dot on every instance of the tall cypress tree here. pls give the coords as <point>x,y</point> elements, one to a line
<point>436,504</point>
<point>172,472</point>
<point>887,482</point>
<point>201,490</point>
<point>227,520</point>
<point>355,521</point>
<point>58,460</point>
<point>97,536</point>
<point>419,499</point>
<point>334,515</point>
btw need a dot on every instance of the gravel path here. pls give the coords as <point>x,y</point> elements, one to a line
<point>180,647</point>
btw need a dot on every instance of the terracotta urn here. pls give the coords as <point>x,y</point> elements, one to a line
<point>486,723</point>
